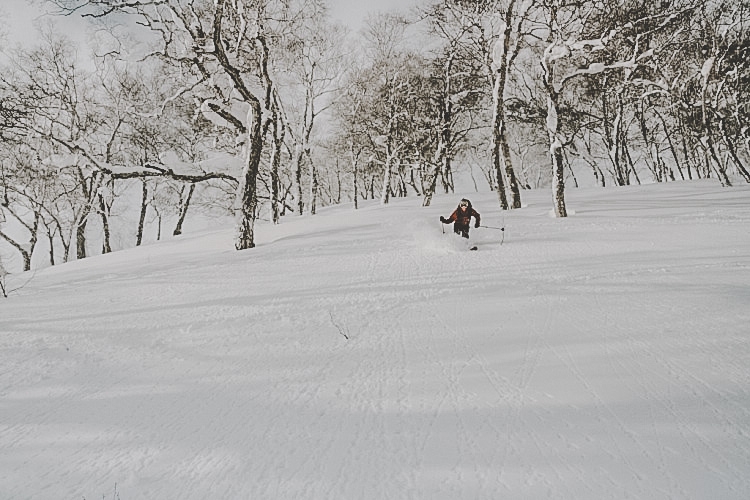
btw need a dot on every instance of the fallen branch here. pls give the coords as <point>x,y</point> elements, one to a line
<point>342,331</point>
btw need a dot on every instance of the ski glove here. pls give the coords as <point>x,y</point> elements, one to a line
<point>476,224</point>
<point>443,220</point>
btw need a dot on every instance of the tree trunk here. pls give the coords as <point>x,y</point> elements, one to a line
<point>25,254</point>
<point>313,188</point>
<point>429,188</point>
<point>142,217</point>
<point>552,122</point>
<point>106,246</point>
<point>447,174</point>
<point>558,179</point>
<point>81,238</point>
<point>278,140</point>
<point>706,71</point>
<point>496,162</point>
<point>89,189</point>
<point>298,179</point>
<point>355,173</point>
<point>656,164</point>
<point>501,150</point>
<point>621,172</point>
<point>733,151</point>
<point>558,163</point>
<point>672,148</point>
<point>501,158</point>
<point>441,159</point>
<point>685,150</point>
<point>26,251</point>
<point>509,170</point>
<point>65,244</point>
<point>247,190</point>
<point>51,238</point>
<point>184,206</point>
<point>385,192</point>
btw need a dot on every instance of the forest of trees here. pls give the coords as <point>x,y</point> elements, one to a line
<point>268,108</point>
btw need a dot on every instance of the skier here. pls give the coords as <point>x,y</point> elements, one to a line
<point>461,218</point>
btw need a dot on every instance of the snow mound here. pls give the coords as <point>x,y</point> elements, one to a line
<point>352,355</point>
<point>429,236</point>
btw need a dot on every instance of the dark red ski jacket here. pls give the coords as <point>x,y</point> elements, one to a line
<point>463,217</point>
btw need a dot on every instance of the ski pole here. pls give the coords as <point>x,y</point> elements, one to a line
<point>499,229</point>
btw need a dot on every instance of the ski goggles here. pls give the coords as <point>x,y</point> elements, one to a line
<point>463,204</point>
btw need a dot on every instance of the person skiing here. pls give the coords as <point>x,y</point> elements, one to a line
<point>461,218</point>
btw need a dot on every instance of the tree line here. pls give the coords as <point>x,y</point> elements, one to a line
<point>264,108</point>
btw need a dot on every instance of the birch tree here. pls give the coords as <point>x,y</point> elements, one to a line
<point>391,96</point>
<point>457,90</point>
<point>715,89</point>
<point>85,126</point>
<point>220,52</point>
<point>498,32</point>
<point>57,104</point>
<point>350,139</point>
<point>577,48</point>
<point>23,193</point>
<point>314,62</point>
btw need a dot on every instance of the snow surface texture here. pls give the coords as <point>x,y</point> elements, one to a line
<point>601,356</point>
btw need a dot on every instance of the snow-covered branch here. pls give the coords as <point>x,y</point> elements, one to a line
<point>142,171</point>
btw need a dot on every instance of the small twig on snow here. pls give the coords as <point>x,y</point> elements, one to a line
<point>342,331</point>
<point>4,289</point>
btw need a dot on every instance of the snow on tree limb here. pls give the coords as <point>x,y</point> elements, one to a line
<point>217,114</point>
<point>561,49</point>
<point>142,171</point>
<point>597,68</point>
<point>707,67</point>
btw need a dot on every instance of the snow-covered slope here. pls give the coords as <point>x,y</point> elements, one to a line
<point>601,356</point>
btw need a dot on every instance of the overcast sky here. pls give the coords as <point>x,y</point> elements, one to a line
<point>354,11</point>
<point>17,15</point>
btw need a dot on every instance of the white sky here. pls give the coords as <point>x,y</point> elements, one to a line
<point>16,15</point>
<point>354,11</point>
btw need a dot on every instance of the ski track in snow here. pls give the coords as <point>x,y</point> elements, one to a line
<point>604,356</point>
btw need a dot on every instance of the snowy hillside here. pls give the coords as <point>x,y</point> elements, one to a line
<point>602,356</point>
